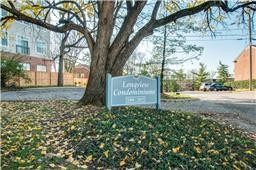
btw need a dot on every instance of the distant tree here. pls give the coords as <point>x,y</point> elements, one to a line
<point>66,49</point>
<point>179,75</point>
<point>144,71</point>
<point>200,76</point>
<point>135,64</point>
<point>223,73</point>
<point>174,86</point>
<point>171,47</point>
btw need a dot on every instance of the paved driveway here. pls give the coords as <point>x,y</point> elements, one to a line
<point>238,108</point>
<point>51,93</point>
<point>225,96</point>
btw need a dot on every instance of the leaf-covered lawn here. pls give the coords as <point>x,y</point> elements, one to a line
<point>61,135</point>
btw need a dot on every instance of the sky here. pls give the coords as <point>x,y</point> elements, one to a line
<point>225,47</point>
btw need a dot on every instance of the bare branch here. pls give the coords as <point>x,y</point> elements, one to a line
<point>155,10</point>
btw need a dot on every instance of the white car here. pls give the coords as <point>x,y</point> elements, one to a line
<point>205,86</point>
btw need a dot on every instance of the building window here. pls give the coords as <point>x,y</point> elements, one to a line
<point>4,39</point>
<point>41,68</point>
<point>40,47</point>
<point>26,66</point>
<point>22,45</point>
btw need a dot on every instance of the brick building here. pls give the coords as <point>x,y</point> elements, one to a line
<point>27,42</point>
<point>81,74</point>
<point>242,64</point>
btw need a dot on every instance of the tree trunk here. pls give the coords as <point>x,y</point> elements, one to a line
<point>95,90</point>
<point>163,63</point>
<point>60,73</point>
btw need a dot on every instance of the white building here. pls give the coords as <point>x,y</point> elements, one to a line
<point>28,42</point>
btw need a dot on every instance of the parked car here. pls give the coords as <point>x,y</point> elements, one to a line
<point>205,86</point>
<point>219,87</point>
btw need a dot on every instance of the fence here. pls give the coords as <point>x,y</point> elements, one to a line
<point>50,79</point>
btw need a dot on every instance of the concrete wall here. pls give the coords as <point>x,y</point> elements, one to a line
<point>242,65</point>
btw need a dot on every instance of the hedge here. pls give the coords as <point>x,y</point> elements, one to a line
<point>244,84</point>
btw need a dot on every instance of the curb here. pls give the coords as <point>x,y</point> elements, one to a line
<point>179,100</point>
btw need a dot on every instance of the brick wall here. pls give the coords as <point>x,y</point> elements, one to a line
<point>242,65</point>
<point>45,79</point>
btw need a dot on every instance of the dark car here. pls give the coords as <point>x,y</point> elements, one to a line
<point>220,87</point>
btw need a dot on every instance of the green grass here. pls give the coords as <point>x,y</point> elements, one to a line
<point>48,135</point>
<point>173,95</point>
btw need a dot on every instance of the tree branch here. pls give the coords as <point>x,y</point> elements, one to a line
<point>155,10</point>
<point>17,15</point>
<point>202,7</point>
<point>126,29</point>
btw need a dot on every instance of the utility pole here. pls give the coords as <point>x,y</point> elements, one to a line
<point>250,46</point>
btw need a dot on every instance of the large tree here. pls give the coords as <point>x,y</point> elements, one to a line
<point>115,36</point>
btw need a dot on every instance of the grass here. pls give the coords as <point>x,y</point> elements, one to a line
<point>173,95</point>
<point>50,135</point>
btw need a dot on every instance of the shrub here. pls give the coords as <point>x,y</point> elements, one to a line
<point>244,84</point>
<point>11,70</point>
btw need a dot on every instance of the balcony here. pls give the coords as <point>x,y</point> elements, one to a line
<point>22,49</point>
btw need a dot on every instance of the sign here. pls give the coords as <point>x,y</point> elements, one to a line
<point>132,90</point>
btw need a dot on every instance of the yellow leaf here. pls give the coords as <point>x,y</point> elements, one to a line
<point>114,126</point>
<point>210,144</point>
<point>175,150</point>
<point>83,166</point>
<point>52,165</point>
<point>137,165</point>
<point>72,127</point>
<point>89,158</point>
<point>122,163</point>
<point>101,145</point>
<point>43,152</point>
<point>198,149</point>
<point>249,152</point>
<point>143,150</point>
<point>126,149</point>
<point>130,129</point>
<point>106,153</point>
<point>160,141</point>
<point>213,152</point>
<point>62,167</point>
<point>18,158</point>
